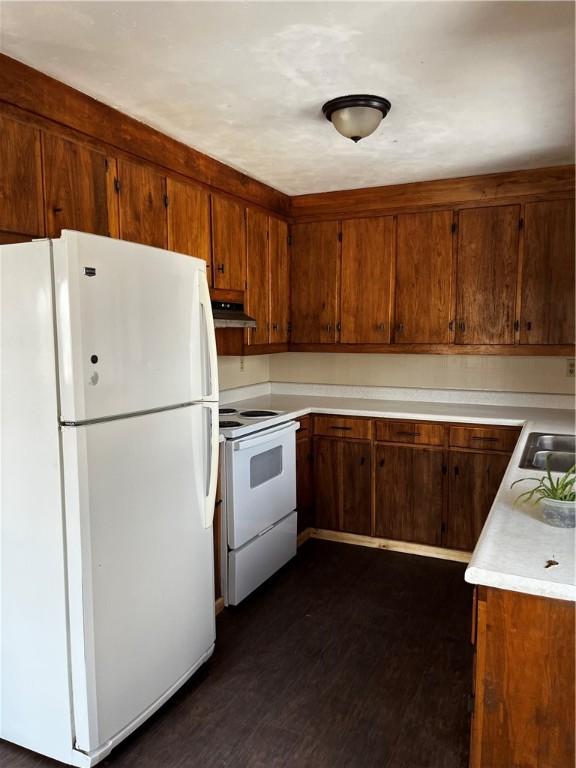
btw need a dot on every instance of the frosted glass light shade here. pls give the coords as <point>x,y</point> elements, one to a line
<point>356,117</point>
<point>356,122</point>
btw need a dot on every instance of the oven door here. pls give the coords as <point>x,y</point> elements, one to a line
<point>260,481</point>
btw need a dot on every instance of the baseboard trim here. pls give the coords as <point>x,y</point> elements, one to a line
<point>219,606</point>
<point>406,547</point>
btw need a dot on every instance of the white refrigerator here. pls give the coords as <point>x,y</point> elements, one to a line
<point>108,464</point>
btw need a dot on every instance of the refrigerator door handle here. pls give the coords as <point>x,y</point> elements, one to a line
<point>212,445</point>
<point>210,384</point>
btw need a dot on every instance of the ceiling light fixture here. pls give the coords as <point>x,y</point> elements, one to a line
<point>356,116</point>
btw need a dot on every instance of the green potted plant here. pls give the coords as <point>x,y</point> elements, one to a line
<point>556,497</point>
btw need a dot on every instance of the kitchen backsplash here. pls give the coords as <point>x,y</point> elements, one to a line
<point>454,372</point>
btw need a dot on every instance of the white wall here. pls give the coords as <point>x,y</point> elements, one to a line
<point>489,372</point>
<point>242,371</point>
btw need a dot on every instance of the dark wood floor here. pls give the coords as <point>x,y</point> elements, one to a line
<point>348,657</point>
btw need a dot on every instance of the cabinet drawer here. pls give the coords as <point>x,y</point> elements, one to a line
<point>415,433</point>
<point>305,427</point>
<point>343,426</point>
<point>484,438</point>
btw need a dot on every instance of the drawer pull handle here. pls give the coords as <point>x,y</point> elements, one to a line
<point>348,429</point>
<point>411,434</point>
<point>489,439</point>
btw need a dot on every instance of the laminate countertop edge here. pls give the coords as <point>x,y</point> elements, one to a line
<point>517,550</point>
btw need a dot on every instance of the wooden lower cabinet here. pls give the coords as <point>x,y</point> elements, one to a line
<point>434,494</point>
<point>409,493</point>
<point>523,712</point>
<point>342,485</point>
<point>474,479</point>
<point>326,485</point>
<point>304,475</point>
<point>356,479</point>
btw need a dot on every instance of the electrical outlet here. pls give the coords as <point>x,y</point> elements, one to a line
<point>570,367</point>
<point>242,364</point>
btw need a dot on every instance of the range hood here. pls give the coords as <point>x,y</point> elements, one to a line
<point>228,314</point>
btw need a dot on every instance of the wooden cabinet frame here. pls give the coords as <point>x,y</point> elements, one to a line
<point>375,437</point>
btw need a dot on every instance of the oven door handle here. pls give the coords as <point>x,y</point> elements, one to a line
<point>265,436</point>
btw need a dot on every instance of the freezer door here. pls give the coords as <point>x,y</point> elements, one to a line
<point>140,563</point>
<point>132,331</point>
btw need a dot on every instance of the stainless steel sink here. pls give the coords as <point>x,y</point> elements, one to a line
<point>554,452</point>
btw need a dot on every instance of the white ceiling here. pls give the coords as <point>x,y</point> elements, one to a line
<point>475,87</point>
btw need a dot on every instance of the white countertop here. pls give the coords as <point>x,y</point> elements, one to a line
<point>515,544</point>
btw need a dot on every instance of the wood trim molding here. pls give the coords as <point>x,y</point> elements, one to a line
<point>444,193</point>
<point>303,536</point>
<point>264,349</point>
<point>219,606</point>
<point>533,350</point>
<point>39,94</point>
<point>406,547</point>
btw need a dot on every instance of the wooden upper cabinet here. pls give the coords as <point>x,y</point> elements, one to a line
<point>547,294</point>
<point>314,282</point>
<point>228,243</point>
<point>258,280</point>
<point>142,201</point>
<point>189,220</point>
<point>486,274</point>
<point>279,281</point>
<point>21,196</point>
<point>474,479</point>
<point>423,292</point>
<point>367,259</point>
<point>79,188</point>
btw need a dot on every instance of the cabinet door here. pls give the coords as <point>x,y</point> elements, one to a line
<point>189,221</point>
<point>228,243</point>
<point>356,487</point>
<point>314,282</point>
<point>367,256</point>
<point>142,205</point>
<point>474,481</point>
<point>486,275</point>
<point>303,482</point>
<point>327,483</point>
<point>279,281</point>
<point>547,305</point>
<point>409,483</point>
<point>21,198</point>
<point>76,182</point>
<point>258,280</point>
<point>423,292</point>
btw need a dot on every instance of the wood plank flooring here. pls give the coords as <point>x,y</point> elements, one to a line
<point>349,657</point>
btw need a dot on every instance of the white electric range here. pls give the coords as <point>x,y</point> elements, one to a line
<point>259,498</point>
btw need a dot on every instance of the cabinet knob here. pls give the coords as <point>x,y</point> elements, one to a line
<point>381,327</point>
<point>381,463</point>
<point>451,325</point>
<point>362,461</point>
<point>221,268</point>
<point>328,327</point>
<point>274,326</point>
<point>57,210</point>
<point>462,326</point>
<point>400,327</point>
<point>528,326</point>
<point>338,327</point>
